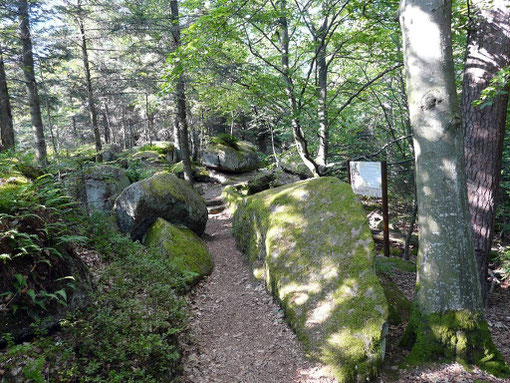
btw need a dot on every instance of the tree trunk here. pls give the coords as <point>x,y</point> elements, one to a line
<point>322,92</point>
<point>488,51</point>
<point>299,137</point>
<point>29,73</point>
<point>90,91</point>
<point>180,96</point>
<point>148,132</point>
<point>6,125</point>
<point>447,319</point>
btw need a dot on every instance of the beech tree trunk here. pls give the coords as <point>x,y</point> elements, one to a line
<point>448,319</point>
<point>29,73</point>
<point>299,137</point>
<point>90,91</point>
<point>6,125</point>
<point>180,96</point>
<point>488,51</point>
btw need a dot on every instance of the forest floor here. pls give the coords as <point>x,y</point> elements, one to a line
<point>237,333</point>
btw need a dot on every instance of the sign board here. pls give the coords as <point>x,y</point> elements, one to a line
<point>366,178</point>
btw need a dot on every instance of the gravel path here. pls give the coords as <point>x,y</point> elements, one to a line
<point>236,332</point>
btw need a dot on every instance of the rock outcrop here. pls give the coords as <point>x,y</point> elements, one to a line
<point>238,158</point>
<point>102,185</point>
<point>311,244</point>
<point>161,196</point>
<point>185,249</point>
<point>97,187</point>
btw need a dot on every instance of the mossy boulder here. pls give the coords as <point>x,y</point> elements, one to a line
<point>185,249</point>
<point>161,196</point>
<point>149,156</point>
<point>311,244</point>
<point>241,158</point>
<point>199,173</point>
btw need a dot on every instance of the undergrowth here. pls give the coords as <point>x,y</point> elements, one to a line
<point>127,333</point>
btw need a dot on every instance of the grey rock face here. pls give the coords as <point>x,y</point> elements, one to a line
<point>227,159</point>
<point>160,196</point>
<point>102,185</point>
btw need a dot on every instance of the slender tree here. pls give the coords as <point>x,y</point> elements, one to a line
<point>88,79</point>
<point>180,97</point>
<point>448,319</point>
<point>33,95</point>
<point>6,126</point>
<point>488,51</point>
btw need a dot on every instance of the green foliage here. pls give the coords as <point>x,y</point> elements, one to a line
<point>128,334</point>
<point>136,171</point>
<point>227,140</point>
<point>498,86</point>
<point>36,229</point>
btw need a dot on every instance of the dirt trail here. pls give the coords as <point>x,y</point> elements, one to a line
<point>236,332</point>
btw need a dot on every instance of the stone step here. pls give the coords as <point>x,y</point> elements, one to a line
<point>216,209</point>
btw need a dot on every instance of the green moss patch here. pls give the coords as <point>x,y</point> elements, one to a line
<point>311,244</point>
<point>399,306</point>
<point>388,264</point>
<point>184,248</point>
<point>459,336</point>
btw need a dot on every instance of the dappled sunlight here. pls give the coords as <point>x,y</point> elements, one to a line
<point>425,34</point>
<point>321,312</point>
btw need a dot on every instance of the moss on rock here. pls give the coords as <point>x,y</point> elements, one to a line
<point>311,243</point>
<point>186,250</point>
<point>161,196</point>
<point>398,305</point>
<point>222,157</point>
<point>460,336</point>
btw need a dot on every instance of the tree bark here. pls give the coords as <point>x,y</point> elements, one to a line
<point>488,51</point>
<point>299,137</point>
<point>6,124</point>
<point>180,97</point>
<point>29,73</point>
<point>322,90</point>
<point>448,319</point>
<point>90,90</point>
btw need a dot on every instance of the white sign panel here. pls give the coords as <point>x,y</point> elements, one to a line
<point>366,178</point>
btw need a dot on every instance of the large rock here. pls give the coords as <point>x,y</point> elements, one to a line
<point>239,159</point>
<point>102,185</point>
<point>111,152</point>
<point>185,249</point>
<point>97,187</point>
<point>311,244</point>
<point>161,196</point>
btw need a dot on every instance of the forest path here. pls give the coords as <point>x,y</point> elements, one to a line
<point>236,331</point>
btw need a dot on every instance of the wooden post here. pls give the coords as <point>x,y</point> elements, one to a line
<point>386,219</point>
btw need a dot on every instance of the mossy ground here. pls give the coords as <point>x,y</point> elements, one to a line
<point>311,243</point>
<point>183,247</point>
<point>459,336</point>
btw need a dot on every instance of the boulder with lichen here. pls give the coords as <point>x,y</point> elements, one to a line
<point>311,245</point>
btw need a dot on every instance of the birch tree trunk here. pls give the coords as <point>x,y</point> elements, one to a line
<point>90,90</point>
<point>488,51</point>
<point>180,96</point>
<point>6,125</point>
<point>31,84</point>
<point>448,320</point>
